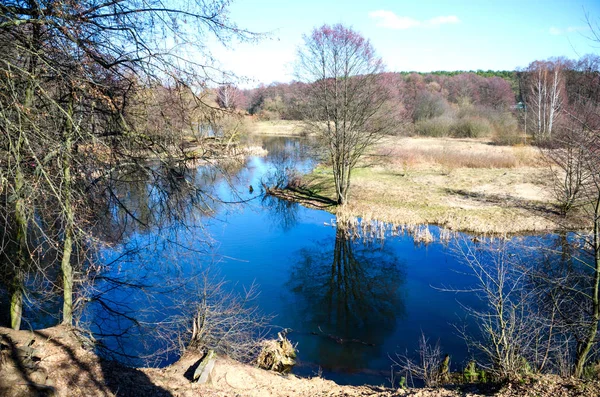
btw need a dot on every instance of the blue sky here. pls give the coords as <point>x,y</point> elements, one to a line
<point>415,35</point>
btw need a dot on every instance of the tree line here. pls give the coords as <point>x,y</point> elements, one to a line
<point>505,105</point>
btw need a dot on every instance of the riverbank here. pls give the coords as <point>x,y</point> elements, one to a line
<point>55,361</point>
<point>468,185</point>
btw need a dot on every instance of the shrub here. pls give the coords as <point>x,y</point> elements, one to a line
<point>436,127</point>
<point>429,105</point>
<point>431,366</point>
<point>510,138</point>
<point>268,115</point>
<point>471,127</point>
<point>222,320</point>
<point>472,122</point>
<point>506,129</point>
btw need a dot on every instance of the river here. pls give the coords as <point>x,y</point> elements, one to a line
<point>350,305</point>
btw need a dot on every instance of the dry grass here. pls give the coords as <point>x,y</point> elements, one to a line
<point>452,160</point>
<point>456,153</point>
<point>279,127</point>
<point>461,184</point>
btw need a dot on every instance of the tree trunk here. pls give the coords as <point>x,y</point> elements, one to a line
<point>66,267</point>
<point>67,272</point>
<point>16,289</point>
<point>16,301</point>
<point>21,222</point>
<point>584,348</point>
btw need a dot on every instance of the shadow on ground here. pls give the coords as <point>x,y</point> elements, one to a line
<point>55,362</point>
<point>505,200</point>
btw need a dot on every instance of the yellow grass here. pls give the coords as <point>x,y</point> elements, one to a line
<point>466,185</point>
<point>279,127</point>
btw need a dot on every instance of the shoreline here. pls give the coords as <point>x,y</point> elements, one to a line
<point>464,185</point>
<point>367,214</point>
<point>56,361</point>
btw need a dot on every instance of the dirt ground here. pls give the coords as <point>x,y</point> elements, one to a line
<point>58,362</point>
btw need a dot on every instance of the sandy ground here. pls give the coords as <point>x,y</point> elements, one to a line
<point>56,361</point>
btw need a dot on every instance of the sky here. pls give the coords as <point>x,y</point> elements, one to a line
<point>423,35</point>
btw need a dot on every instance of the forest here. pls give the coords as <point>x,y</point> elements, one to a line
<point>459,103</point>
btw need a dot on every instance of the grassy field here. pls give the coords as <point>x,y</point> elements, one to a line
<point>462,184</point>
<point>278,127</point>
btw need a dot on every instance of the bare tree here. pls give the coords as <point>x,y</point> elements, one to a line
<point>546,96</point>
<point>432,367</point>
<point>507,323</point>
<point>566,160</point>
<point>344,97</point>
<point>563,285</point>
<point>591,292</point>
<point>576,161</point>
<point>227,96</point>
<point>71,73</point>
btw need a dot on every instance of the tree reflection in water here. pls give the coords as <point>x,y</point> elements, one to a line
<point>285,157</point>
<point>157,247</point>
<point>284,213</point>
<point>349,299</point>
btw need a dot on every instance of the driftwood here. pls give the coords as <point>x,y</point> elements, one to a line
<point>277,355</point>
<point>205,367</point>
<point>300,195</point>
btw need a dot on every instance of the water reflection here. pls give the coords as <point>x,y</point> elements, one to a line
<point>350,299</point>
<point>287,158</point>
<point>561,280</point>
<point>285,214</point>
<point>155,222</point>
<point>349,303</point>
<point>166,196</point>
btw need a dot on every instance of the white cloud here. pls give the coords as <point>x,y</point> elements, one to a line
<point>389,20</point>
<point>577,28</point>
<point>557,31</point>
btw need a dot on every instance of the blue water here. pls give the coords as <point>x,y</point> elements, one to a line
<point>349,305</point>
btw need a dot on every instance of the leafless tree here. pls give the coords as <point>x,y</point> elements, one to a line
<point>511,334</point>
<point>431,367</point>
<point>227,96</point>
<point>546,97</point>
<point>590,292</point>
<point>73,77</point>
<point>581,172</point>
<point>566,160</point>
<point>344,98</point>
